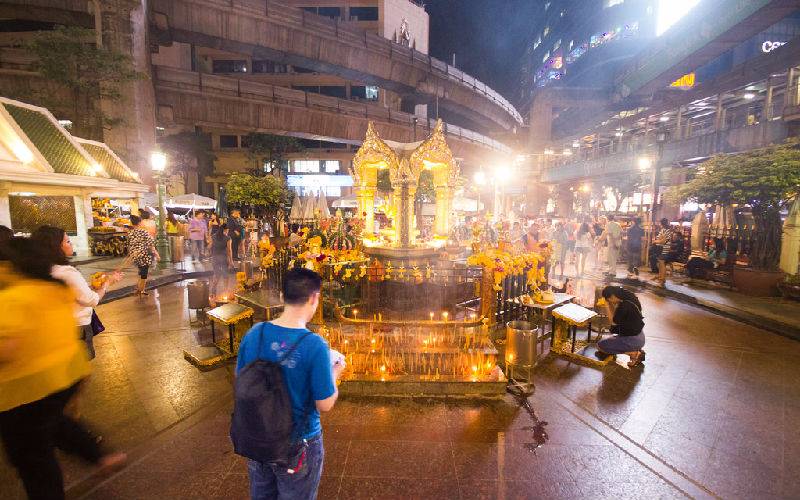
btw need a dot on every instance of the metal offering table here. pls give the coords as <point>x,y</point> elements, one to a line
<point>229,315</point>
<point>541,308</point>
<point>572,317</point>
<point>264,299</point>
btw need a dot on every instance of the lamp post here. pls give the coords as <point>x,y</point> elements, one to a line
<point>158,162</point>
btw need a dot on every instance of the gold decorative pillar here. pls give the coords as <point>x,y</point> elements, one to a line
<point>488,295</point>
<point>443,199</point>
<point>366,206</point>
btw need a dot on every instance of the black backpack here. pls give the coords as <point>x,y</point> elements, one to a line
<point>261,424</point>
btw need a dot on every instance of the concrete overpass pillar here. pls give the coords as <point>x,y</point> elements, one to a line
<point>125,29</point>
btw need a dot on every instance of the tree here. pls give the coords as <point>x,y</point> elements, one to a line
<point>268,151</point>
<point>265,192</point>
<point>765,179</point>
<point>189,152</point>
<point>622,186</point>
<point>69,57</point>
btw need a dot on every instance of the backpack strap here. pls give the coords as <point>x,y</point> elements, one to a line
<point>294,347</point>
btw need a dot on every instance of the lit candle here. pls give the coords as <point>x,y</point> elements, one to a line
<point>474,368</point>
<point>444,315</point>
<point>383,368</point>
<point>431,316</point>
<point>355,313</point>
<point>380,317</point>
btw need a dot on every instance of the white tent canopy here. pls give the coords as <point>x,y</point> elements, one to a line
<point>296,213</point>
<point>309,204</point>
<point>192,201</point>
<point>346,202</point>
<point>322,205</point>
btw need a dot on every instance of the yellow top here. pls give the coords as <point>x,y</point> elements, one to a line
<point>40,352</point>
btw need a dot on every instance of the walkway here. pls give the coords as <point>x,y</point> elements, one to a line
<point>713,412</point>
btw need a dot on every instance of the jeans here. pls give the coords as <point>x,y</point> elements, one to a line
<point>269,481</point>
<point>235,244</point>
<point>620,344</point>
<point>634,258</point>
<point>30,434</point>
<point>197,248</point>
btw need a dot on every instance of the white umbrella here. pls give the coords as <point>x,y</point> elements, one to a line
<point>322,205</point>
<point>296,213</point>
<point>462,204</point>
<point>192,200</point>
<point>309,204</point>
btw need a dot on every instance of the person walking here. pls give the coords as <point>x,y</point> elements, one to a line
<point>236,229</point>
<point>634,247</point>
<point>309,376</point>
<point>584,241</point>
<point>141,251</point>
<point>148,224</point>
<point>625,311</point>
<point>57,246</point>
<point>613,236</point>
<point>42,364</point>
<point>671,241</point>
<point>221,258</point>
<point>561,239</point>
<point>198,234</point>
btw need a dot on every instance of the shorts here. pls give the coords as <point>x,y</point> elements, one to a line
<point>669,257</point>
<point>583,250</point>
<point>143,271</point>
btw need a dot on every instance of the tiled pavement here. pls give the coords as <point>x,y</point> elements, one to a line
<point>715,411</point>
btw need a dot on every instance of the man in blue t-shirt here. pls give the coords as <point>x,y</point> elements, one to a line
<point>310,378</point>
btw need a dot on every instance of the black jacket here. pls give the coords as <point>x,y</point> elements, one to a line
<point>628,320</point>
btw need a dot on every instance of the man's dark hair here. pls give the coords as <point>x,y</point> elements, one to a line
<point>665,222</point>
<point>637,221</point>
<point>144,214</point>
<point>135,219</point>
<point>299,285</point>
<point>610,217</point>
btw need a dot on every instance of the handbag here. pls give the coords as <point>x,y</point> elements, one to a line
<point>96,324</point>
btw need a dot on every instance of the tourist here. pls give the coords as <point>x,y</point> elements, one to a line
<point>634,247</point>
<point>213,223</point>
<point>141,251</point>
<point>530,240</point>
<point>561,240</point>
<point>572,229</point>
<point>310,378</point>
<point>671,240</point>
<point>148,224</point>
<point>657,247</point>
<point>625,312</point>
<point>598,228</point>
<point>584,241</point>
<point>172,225</point>
<point>56,244</point>
<point>42,363</point>
<point>236,230</point>
<point>198,232</point>
<point>221,258</point>
<point>613,237</point>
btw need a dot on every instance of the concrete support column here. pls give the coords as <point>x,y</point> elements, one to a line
<point>719,116</point>
<point>768,100</point>
<point>790,241</point>
<point>790,96</point>
<point>83,221</point>
<point>679,124</point>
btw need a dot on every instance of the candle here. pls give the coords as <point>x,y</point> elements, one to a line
<point>431,316</point>
<point>355,313</point>
<point>380,317</point>
<point>444,315</point>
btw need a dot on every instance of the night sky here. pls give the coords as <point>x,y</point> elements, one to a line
<point>488,37</point>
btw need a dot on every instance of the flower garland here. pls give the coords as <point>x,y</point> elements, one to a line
<point>503,263</point>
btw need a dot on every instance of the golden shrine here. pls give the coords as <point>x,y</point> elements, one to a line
<point>405,162</point>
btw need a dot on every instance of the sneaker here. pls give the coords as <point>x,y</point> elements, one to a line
<point>636,271</point>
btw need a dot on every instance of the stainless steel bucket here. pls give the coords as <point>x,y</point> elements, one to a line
<point>521,339</point>
<point>198,294</point>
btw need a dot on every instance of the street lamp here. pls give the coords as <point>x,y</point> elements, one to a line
<point>644,164</point>
<point>158,162</point>
<point>502,175</point>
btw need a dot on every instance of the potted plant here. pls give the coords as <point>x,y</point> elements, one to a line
<point>765,179</point>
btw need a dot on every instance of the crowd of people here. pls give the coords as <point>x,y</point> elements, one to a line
<point>602,240</point>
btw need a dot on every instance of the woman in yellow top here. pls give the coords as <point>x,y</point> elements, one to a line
<point>42,362</point>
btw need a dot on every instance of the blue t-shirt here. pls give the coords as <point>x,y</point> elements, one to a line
<point>307,371</point>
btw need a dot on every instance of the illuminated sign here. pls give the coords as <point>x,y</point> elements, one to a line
<point>686,81</point>
<point>317,181</point>
<point>769,46</point>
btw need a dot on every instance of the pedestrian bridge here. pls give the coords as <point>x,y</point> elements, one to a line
<point>191,98</point>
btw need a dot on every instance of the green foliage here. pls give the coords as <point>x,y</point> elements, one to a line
<point>270,149</point>
<point>267,192</point>
<point>70,58</point>
<point>764,179</point>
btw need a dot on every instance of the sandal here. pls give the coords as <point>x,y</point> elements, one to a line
<point>637,359</point>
